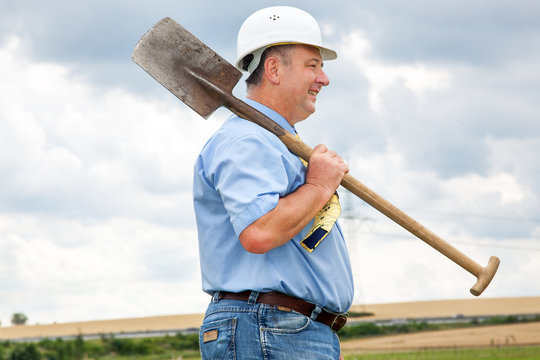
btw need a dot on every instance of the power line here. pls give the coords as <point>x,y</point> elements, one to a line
<point>503,246</point>
<point>482,216</point>
<point>481,244</point>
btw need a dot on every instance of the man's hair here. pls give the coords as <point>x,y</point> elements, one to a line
<point>283,52</point>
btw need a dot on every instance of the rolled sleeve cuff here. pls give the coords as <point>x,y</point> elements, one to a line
<point>257,208</point>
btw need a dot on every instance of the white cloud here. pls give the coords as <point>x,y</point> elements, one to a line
<point>391,265</point>
<point>419,78</point>
<point>67,142</point>
<point>60,270</point>
<point>96,218</point>
<point>95,213</point>
<point>472,188</point>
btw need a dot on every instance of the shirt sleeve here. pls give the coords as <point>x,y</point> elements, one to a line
<point>250,175</point>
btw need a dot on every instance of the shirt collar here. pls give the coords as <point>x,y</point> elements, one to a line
<point>275,116</point>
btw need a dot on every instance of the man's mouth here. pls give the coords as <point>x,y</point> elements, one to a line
<point>312,92</point>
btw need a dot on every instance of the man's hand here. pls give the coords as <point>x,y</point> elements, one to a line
<point>295,210</point>
<point>326,169</point>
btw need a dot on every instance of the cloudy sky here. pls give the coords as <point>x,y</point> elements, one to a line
<point>435,105</point>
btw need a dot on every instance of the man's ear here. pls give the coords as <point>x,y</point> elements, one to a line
<point>271,70</point>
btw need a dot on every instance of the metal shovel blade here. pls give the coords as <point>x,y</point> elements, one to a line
<point>170,54</point>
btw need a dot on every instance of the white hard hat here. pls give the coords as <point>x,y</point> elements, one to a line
<point>277,25</point>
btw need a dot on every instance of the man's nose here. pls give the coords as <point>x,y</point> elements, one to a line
<point>323,78</point>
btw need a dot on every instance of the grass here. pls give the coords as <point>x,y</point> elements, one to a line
<point>183,355</point>
<point>185,347</point>
<point>507,353</point>
<point>489,353</point>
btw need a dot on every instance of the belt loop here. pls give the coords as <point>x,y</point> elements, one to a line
<point>316,311</point>
<point>216,296</point>
<point>253,297</point>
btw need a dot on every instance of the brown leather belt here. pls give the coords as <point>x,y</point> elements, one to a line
<point>334,321</point>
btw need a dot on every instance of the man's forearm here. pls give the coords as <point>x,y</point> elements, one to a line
<point>292,213</point>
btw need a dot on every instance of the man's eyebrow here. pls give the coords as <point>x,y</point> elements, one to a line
<point>317,60</point>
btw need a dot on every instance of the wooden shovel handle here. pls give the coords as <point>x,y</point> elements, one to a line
<point>484,275</point>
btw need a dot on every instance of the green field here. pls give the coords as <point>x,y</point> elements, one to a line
<point>503,353</point>
<point>186,347</point>
<point>32,351</point>
<point>507,353</point>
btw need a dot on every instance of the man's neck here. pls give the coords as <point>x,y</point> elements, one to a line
<point>272,102</point>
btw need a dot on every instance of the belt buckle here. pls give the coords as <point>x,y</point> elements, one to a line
<point>339,322</point>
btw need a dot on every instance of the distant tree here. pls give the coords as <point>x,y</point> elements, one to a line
<point>25,351</point>
<point>79,347</point>
<point>19,319</point>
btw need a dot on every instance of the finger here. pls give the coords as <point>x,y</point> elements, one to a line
<point>332,153</point>
<point>321,148</point>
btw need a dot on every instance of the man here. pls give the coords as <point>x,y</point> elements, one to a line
<point>280,280</point>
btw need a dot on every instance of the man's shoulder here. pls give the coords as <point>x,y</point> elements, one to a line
<point>235,129</point>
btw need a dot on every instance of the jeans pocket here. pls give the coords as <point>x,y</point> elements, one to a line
<point>217,339</point>
<point>285,321</point>
<point>290,335</point>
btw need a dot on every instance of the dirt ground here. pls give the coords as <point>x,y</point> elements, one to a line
<point>154,323</point>
<point>442,308</point>
<point>515,334</point>
<point>500,335</point>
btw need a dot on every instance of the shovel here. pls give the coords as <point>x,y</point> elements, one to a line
<point>204,81</point>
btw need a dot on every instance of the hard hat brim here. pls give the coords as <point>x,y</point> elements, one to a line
<point>326,54</point>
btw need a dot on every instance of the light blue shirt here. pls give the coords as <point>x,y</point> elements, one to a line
<point>239,176</point>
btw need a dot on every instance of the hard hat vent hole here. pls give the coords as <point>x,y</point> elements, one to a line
<point>274,17</point>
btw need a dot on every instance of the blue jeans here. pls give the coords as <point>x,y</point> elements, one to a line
<point>240,330</point>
